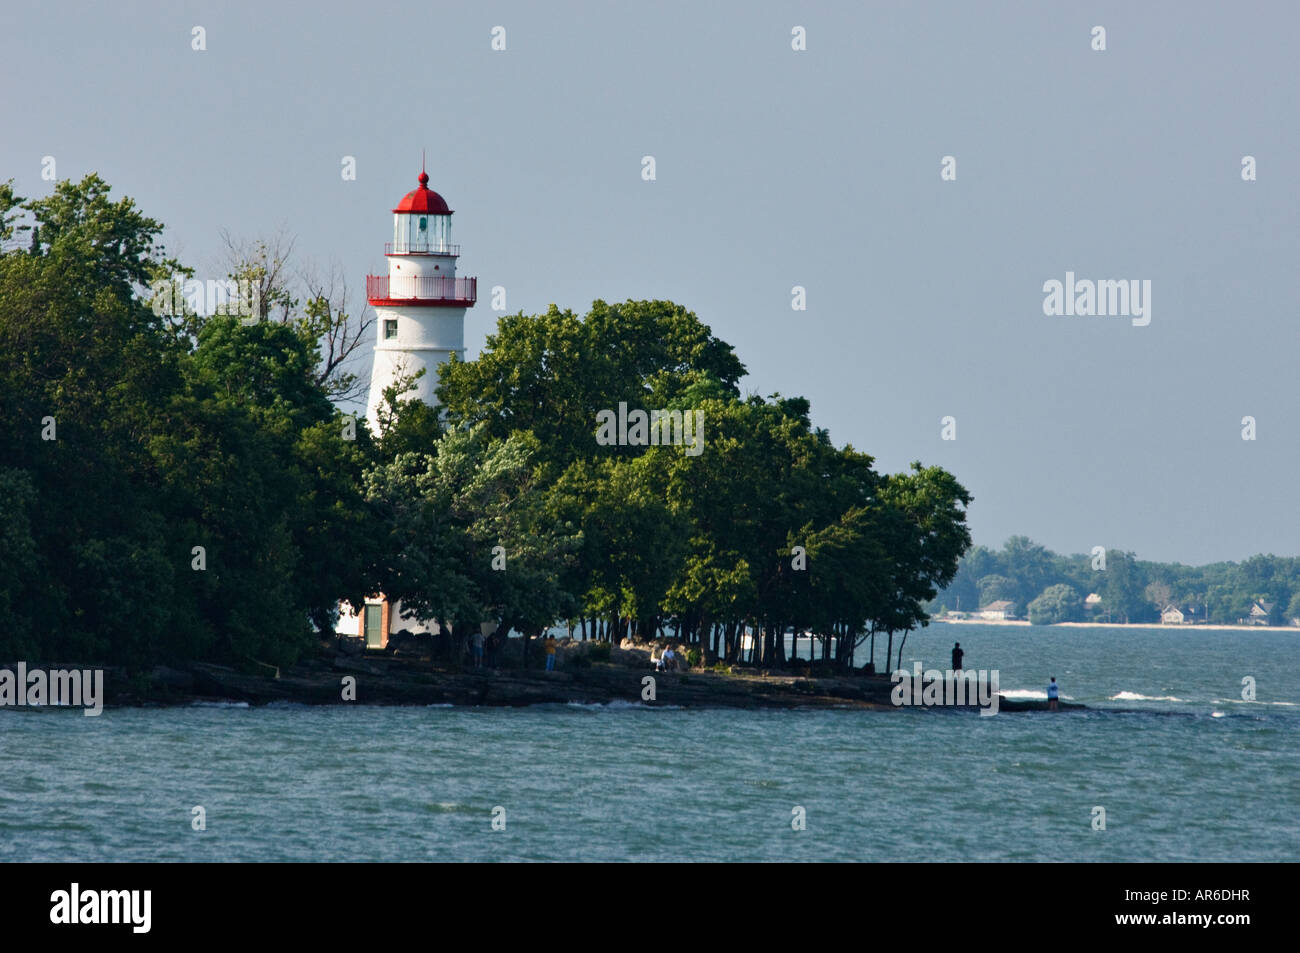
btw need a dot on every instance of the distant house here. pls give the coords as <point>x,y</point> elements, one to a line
<point>1092,602</point>
<point>1172,615</point>
<point>998,611</point>
<point>1259,612</point>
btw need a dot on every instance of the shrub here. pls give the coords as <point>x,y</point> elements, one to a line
<point>599,651</point>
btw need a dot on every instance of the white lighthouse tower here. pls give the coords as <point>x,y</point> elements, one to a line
<point>420,304</point>
<point>420,313</point>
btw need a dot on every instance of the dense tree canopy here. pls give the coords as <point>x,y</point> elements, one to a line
<point>768,527</point>
<point>174,495</point>
<point>183,486</point>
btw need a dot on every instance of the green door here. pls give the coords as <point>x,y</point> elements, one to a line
<point>374,627</point>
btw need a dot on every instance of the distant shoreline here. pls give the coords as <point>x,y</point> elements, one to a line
<point>1128,625</point>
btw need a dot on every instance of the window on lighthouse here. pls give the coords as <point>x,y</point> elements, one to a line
<point>390,329</point>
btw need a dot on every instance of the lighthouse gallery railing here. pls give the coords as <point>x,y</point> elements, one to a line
<point>449,291</point>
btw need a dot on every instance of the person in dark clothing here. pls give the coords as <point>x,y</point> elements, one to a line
<point>957,655</point>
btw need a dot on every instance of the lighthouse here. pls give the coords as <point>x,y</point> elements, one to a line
<point>420,310</point>
<point>420,304</point>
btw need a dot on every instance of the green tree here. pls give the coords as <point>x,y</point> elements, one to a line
<point>1293,609</point>
<point>996,588</point>
<point>1122,590</point>
<point>1058,603</point>
<point>469,539</point>
<point>1028,566</point>
<point>193,488</point>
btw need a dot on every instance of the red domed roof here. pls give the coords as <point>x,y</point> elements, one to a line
<point>423,200</point>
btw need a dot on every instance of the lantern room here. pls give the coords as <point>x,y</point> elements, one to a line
<point>422,223</point>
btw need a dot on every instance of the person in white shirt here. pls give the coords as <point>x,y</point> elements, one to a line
<point>1053,693</point>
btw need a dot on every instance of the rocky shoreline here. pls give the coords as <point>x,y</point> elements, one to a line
<point>343,679</point>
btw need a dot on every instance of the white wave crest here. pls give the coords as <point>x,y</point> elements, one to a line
<point>619,704</point>
<point>1136,697</point>
<point>1242,701</point>
<point>218,704</point>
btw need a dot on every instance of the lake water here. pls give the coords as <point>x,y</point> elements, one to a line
<point>1197,773</point>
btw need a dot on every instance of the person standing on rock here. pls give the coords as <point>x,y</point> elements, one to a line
<point>549,644</point>
<point>1053,693</point>
<point>957,655</point>
<point>476,642</point>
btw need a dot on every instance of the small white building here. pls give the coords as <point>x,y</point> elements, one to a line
<point>1172,615</point>
<point>379,618</point>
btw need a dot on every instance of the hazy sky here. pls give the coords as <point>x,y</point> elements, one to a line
<point>777,168</point>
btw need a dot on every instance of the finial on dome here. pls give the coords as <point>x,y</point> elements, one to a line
<point>424,179</point>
